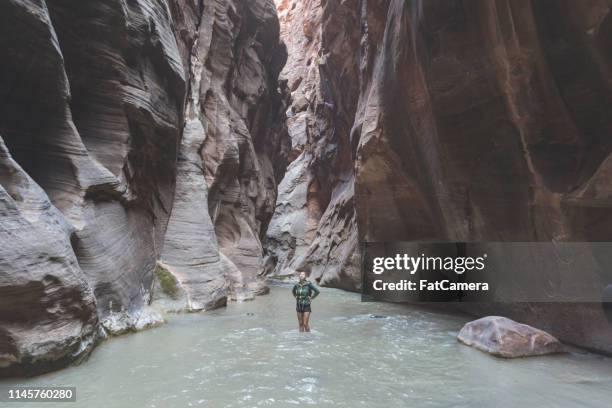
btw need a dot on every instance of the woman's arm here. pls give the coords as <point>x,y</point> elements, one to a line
<point>294,290</point>
<point>315,291</point>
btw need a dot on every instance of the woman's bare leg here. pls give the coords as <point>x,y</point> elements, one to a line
<point>300,317</point>
<point>305,321</point>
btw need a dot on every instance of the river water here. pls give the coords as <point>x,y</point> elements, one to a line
<point>358,355</point>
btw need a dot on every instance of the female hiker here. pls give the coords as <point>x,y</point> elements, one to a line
<point>304,291</point>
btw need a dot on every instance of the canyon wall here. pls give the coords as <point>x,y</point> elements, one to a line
<point>142,142</point>
<point>447,120</point>
<point>231,156</point>
<point>139,155</point>
<point>314,226</point>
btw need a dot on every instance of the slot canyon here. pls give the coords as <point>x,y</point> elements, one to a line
<point>162,156</point>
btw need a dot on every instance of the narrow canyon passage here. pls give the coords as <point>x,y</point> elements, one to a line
<point>170,156</point>
<point>358,355</point>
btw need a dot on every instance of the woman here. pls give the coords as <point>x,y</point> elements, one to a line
<point>304,291</point>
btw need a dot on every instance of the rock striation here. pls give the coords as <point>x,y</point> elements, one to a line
<point>446,121</point>
<point>230,156</point>
<point>143,142</point>
<point>314,224</point>
<point>135,133</point>
<point>50,298</point>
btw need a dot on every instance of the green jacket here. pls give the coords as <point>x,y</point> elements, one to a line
<point>304,292</point>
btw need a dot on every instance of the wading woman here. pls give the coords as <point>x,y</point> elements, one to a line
<point>304,291</point>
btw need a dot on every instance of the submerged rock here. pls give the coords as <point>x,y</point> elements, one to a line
<point>122,322</point>
<point>503,337</point>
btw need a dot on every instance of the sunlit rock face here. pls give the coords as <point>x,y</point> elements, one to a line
<point>313,227</point>
<point>122,123</point>
<point>447,120</point>
<point>231,155</point>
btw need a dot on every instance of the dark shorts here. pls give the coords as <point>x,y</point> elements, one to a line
<point>302,308</point>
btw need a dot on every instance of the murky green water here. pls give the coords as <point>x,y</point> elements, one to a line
<point>230,358</point>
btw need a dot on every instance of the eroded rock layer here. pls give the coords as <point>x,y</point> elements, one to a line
<point>122,123</point>
<point>447,121</point>
<point>229,156</point>
<point>314,226</point>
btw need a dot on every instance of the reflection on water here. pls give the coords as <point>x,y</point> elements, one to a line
<point>358,355</point>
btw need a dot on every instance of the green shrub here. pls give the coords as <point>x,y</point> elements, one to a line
<point>167,281</point>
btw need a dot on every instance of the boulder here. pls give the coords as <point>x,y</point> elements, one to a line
<point>503,337</point>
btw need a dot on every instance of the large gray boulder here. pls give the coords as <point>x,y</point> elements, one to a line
<point>503,337</point>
